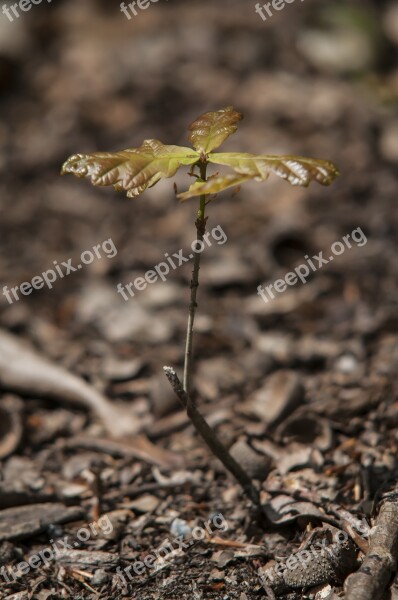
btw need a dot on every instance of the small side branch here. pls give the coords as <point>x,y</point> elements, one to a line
<point>211,439</point>
<point>375,573</point>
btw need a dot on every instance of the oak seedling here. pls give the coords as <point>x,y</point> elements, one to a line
<point>135,169</point>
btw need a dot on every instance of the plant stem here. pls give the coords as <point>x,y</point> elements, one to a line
<point>182,391</point>
<point>200,231</point>
<point>210,437</point>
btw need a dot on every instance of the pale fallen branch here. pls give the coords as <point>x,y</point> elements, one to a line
<point>11,427</point>
<point>23,370</point>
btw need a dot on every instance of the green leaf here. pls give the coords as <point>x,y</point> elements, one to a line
<point>297,170</point>
<point>132,170</point>
<point>211,129</point>
<point>214,185</point>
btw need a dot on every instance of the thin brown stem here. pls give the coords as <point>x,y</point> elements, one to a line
<point>200,231</point>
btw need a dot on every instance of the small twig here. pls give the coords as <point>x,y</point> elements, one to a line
<point>211,438</point>
<point>375,573</point>
<point>93,477</point>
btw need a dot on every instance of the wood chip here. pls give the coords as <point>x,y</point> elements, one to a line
<point>25,521</point>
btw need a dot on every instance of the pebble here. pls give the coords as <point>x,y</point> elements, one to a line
<point>100,577</point>
<point>179,527</point>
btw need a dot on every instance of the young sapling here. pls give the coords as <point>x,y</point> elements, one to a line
<point>136,169</point>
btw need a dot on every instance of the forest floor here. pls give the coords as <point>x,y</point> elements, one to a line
<point>302,388</point>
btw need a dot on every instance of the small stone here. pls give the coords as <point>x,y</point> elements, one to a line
<point>347,363</point>
<point>180,528</point>
<point>100,577</point>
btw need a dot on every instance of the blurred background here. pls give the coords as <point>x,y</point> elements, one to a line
<point>317,79</point>
<point>303,388</point>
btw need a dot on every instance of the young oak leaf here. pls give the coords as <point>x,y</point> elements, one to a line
<point>297,170</point>
<point>135,169</point>
<point>132,170</point>
<point>211,129</point>
<point>214,185</point>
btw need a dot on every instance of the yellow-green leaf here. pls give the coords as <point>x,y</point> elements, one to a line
<point>297,170</point>
<point>211,129</point>
<point>132,170</point>
<point>214,185</point>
